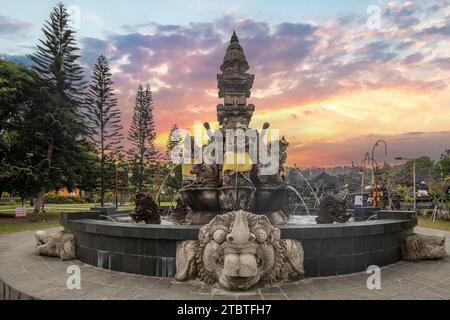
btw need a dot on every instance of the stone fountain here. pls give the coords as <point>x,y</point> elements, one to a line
<point>230,186</point>
<point>238,247</point>
<point>236,236</point>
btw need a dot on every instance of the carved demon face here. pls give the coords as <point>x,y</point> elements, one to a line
<point>239,250</point>
<point>333,208</point>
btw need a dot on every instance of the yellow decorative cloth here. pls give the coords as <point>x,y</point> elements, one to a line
<point>237,161</point>
<point>186,169</point>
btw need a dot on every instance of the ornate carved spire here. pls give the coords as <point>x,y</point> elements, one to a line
<point>234,37</point>
<point>234,86</point>
<point>234,60</point>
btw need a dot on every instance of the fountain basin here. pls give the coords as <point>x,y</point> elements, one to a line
<point>240,198</point>
<point>329,249</point>
<point>201,198</point>
<point>271,199</point>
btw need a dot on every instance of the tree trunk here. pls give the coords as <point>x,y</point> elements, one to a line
<point>102,183</point>
<point>141,169</point>
<point>43,203</point>
<point>43,189</point>
<point>102,164</point>
<point>38,204</point>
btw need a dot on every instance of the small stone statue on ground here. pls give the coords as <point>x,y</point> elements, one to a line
<point>57,244</point>
<point>146,209</point>
<point>421,247</point>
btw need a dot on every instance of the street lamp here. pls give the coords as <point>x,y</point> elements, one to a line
<point>414,176</point>
<point>362,166</point>
<point>116,189</point>
<point>127,191</point>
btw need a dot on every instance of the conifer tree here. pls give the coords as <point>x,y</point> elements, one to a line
<point>142,135</point>
<point>103,118</point>
<point>53,123</point>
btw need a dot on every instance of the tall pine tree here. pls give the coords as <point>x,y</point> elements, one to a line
<point>142,135</point>
<point>53,123</point>
<point>104,119</point>
<point>172,141</point>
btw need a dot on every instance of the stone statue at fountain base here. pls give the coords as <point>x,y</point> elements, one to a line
<point>146,209</point>
<point>239,250</point>
<point>333,208</point>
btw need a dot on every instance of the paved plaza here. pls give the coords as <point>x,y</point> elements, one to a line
<point>25,275</point>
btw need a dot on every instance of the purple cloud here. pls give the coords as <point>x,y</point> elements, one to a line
<point>10,27</point>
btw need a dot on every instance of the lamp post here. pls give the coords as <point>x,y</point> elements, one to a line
<point>414,176</point>
<point>373,162</point>
<point>361,172</point>
<point>127,193</point>
<point>375,169</point>
<point>376,144</point>
<point>116,188</point>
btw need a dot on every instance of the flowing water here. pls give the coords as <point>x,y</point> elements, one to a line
<point>301,198</point>
<point>309,185</point>
<point>169,221</point>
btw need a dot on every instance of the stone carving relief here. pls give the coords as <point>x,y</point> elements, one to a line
<point>333,208</point>
<point>422,247</point>
<point>146,209</point>
<point>239,250</point>
<point>57,244</point>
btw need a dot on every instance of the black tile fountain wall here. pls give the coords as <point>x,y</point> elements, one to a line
<point>331,249</point>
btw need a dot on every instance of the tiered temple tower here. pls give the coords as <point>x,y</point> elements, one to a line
<point>234,184</point>
<point>234,87</point>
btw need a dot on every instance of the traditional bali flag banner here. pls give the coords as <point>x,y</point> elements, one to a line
<point>21,212</point>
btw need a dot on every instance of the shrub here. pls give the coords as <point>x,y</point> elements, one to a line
<point>59,199</point>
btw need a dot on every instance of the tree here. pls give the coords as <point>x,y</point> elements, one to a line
<point>142,136</point>
<point>16,82</point>
<point>425,169</point>
<point>444,164</point>
<point>103,118</point>
<point>53,125</point>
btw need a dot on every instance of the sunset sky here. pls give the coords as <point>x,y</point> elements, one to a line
<point>331,84</point>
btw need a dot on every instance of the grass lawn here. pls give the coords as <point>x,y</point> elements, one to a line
<point>8,223</point>
<point>49,219</point>
<point>426,222</point>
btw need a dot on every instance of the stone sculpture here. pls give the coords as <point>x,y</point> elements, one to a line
<point>206,174</point>
<point>422,247</point>
<point>146,209</point>
<point>56,244</point>
<point>213,189</point>
<point>333,208</point>
<point>181,209</point>
<point>239,250</point>
<point>278,179</point>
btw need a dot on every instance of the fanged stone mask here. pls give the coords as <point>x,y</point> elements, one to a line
<point>239,250</point>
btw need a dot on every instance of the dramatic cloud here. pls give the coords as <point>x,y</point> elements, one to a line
<point>11,28</point>
<point>332,86</point>
<point>352,150</point>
